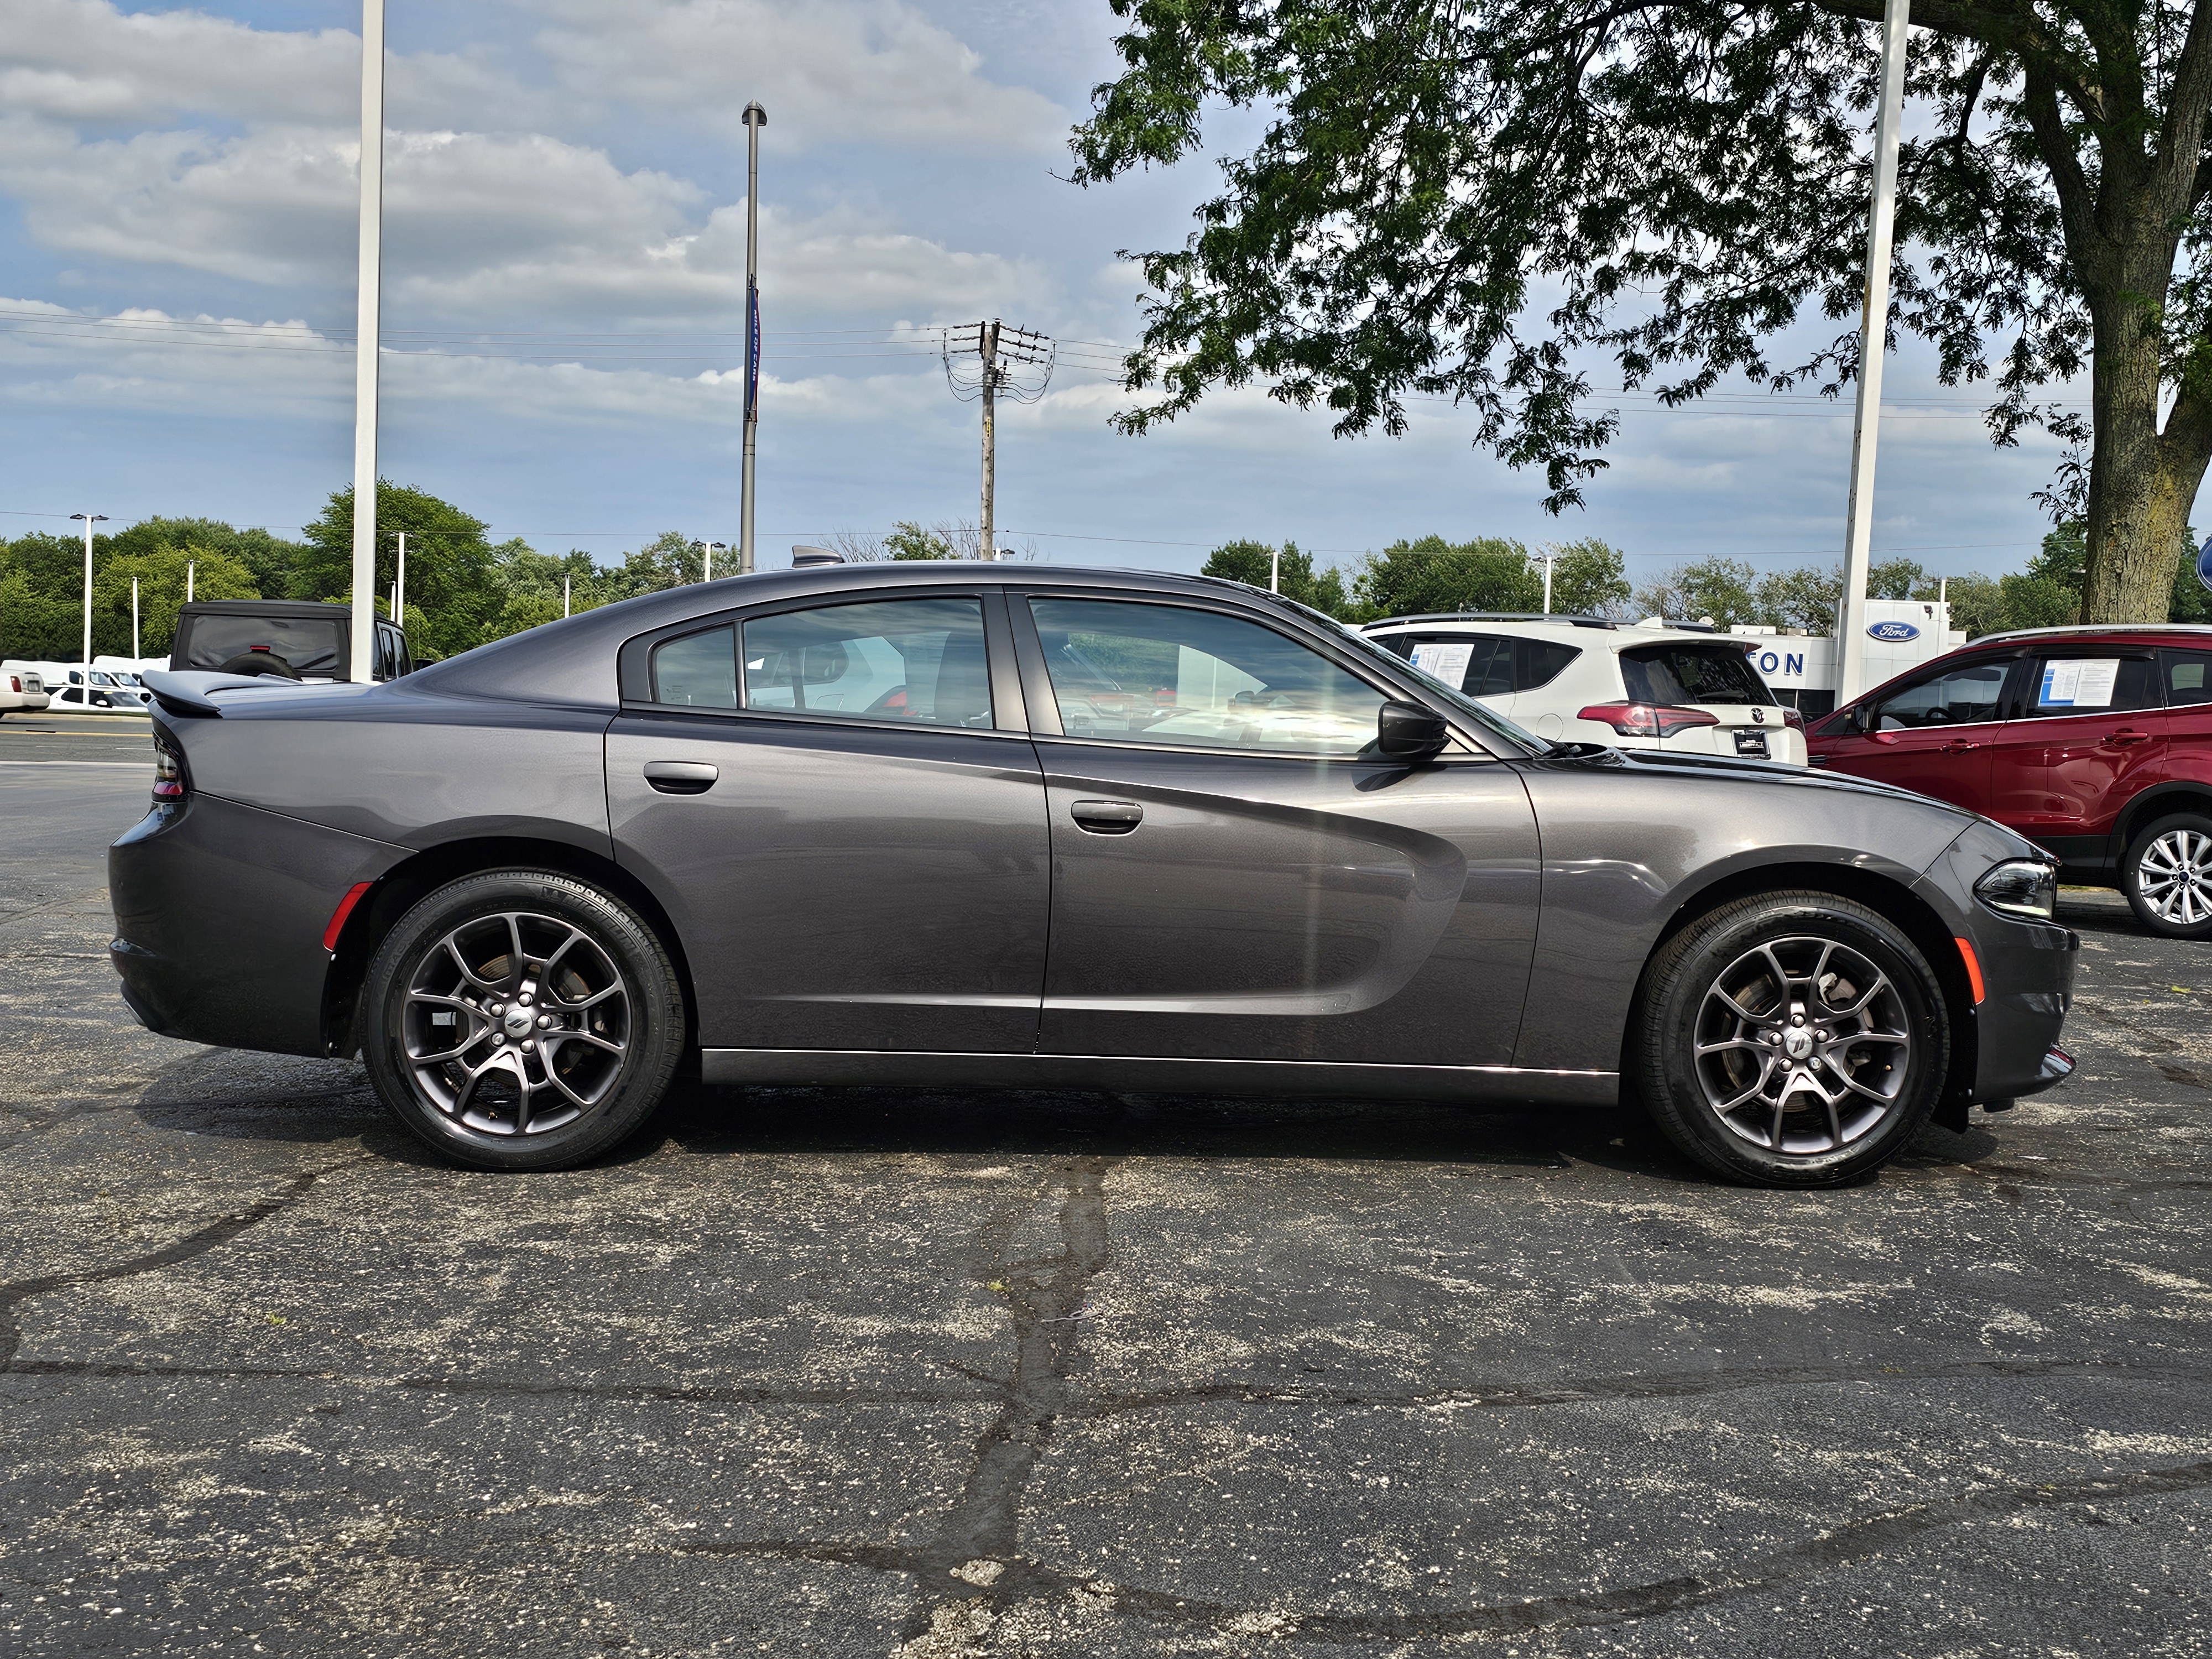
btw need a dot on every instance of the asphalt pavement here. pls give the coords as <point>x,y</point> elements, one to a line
<point>928,1373</point>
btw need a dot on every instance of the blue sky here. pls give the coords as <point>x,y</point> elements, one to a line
<point>565,262</point>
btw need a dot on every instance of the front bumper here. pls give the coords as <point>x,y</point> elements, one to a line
<point>220,911</point>
<point>2026,973</point>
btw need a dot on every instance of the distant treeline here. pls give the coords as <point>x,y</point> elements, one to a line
<point>462,589</point>
<point>1587,578</point>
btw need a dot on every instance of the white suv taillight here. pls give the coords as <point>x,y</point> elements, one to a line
<point>168,772</point>
<point>1646,720</point>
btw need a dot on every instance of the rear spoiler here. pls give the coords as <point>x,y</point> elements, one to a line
<point>189,693</point>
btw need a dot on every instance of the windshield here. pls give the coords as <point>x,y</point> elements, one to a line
<point>308,643</point>
<point>1679,674</point>
<point>1489,719</point>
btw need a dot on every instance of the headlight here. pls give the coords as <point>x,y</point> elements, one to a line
<point>2024,888</point>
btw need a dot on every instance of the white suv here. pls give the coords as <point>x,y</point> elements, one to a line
<point>1583,679</point>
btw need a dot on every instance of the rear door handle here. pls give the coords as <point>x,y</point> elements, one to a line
<point>1107,818</point>
<point>681,777</point>
<point>2128,735</point>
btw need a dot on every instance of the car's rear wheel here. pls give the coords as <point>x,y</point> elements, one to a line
<point>1792,1039</point>
<point>2168,876</point>
<point>521,1020</point>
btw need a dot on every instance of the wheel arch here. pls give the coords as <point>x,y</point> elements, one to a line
<point>400,888</point>
<point>2160,800</point>
<point>1881,894</point>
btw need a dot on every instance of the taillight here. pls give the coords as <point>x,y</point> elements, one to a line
<point>168,772</point>
<point>1646,720</point>
<point>1791,717</point>
<point>15,683</point>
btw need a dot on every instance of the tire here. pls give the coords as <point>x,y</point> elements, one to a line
<point>1822,1074</point>
<point>2168,876</point>
<point>604,1031</point>
<point>260,662</point>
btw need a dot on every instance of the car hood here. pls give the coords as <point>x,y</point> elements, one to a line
<point>1736,770</point>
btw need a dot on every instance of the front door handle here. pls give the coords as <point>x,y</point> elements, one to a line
<point>1958,746</point>
<point>2128,734</point>
<point>1107,818</point>
<point>681,777</point>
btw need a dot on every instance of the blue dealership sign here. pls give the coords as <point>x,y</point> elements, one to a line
<point>2204,563</point>
<point>1895,632</point>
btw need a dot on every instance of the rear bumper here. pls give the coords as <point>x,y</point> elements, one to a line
<point>219,916</point>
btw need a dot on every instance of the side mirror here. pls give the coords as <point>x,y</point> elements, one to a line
<point>1406,730</point>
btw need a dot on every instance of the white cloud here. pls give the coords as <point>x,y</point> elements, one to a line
<point>836,71</point>
<point>85,62</point>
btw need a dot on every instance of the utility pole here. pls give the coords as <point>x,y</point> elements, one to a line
<point>189,568</point>
<point>1274,570</point>
<point>1874,338</point>
<point>1015,361</point>
<point>369,286</point>
<point>134,651</point>
<point>399,586</point>
<point>565,612</point>
<point>90,519</point>
<point>756,118</point>
<point>1551,557</point>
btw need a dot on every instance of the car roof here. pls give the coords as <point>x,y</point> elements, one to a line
<point>1576,630</point>
<point>565,661</point>
<point>2097,630</point>
<point>300,608</point>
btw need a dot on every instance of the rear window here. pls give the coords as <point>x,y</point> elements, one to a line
<point>310,644</point>
<point>1691,673</point>
<point>1484,665</point>
<point>2187,678</point>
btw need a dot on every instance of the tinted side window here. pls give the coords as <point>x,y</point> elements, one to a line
<point>1961,696</point>
<point>2188,676</point>
<point>1691,673</point>
<point>1197,678</point>
<point>2082,685</point>
<point>1479,665</point>
<point>919,660</point>
<point>1539,662</point>
<point>699,671</point>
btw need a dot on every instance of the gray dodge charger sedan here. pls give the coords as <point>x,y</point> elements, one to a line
<point>982,825</point>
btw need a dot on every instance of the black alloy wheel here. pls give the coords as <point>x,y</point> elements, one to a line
<point>1793,1039</point>
<point>2168,876</point>
<point>521,1020</point>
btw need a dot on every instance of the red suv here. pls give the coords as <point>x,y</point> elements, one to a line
<point>2094,742</point>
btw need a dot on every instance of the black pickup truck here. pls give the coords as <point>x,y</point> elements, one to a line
<point>292,638</point>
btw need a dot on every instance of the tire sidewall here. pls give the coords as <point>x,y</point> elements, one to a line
<point>2132,863</point>
<point>1675,993</point>
<point>657,1017</point>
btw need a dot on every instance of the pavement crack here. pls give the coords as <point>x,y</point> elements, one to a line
<point>198,1243</point>
<point>1043,1293</point>
<point>1840,1547</point>
<point>1507,1397</point>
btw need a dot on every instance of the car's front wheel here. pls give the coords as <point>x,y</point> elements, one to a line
<point>521,1020</point>
<point>2168,876</point>
<point>1792,1039</point>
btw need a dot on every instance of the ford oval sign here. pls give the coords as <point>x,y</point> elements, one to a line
<point>1895,632</point>
<point>2204,563</point>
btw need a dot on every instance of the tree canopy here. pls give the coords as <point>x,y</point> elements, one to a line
<point>1479,202</point>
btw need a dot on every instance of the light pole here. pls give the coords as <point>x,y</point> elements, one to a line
<point>1551,558</point>
<point>756,118</point>
<point>370,284</point>
<point>189,568</point>
<point>399,586</point>
<point>136,653</point>
<point>1874,340</point>
<point>90,519</point>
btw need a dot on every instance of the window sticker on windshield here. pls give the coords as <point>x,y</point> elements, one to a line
<point>1444,660</point>
<point>2085,683</point>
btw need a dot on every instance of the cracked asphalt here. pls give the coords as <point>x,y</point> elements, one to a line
<point>926,1373</point>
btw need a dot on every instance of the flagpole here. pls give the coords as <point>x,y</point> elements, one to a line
<point>370,284</point>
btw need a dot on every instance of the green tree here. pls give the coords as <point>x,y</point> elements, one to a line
<point>1801,597</point>
<point>1894,579</point>
<point>1718,589</point>
<point>453,600</point>
<point>1476,201</point>
<point>160,570</point>
<point>1254,563</point>
<point>1409,578</point>
<point>1589,579</point>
